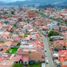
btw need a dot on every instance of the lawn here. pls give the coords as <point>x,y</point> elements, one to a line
<point>35,65</point>
<point>12,51</point>
<point>21,65</point>
<point>26,35</point>
<point>17,65</point>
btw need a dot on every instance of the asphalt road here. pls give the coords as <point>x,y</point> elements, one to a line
<point>48,53</point>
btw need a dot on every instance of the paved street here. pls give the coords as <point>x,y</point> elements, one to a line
<point>48,53</point>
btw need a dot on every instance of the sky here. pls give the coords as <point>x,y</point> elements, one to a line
<point>11,0</point>
<point>32,0</point>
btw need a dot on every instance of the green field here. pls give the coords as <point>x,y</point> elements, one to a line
<point>12,51</point>
<point>21,65</point>
<point>18,65</point>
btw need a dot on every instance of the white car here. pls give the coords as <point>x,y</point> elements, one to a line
<point>46,61</point>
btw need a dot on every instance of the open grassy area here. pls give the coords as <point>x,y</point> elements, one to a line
<point>26,35</point>
<point>12,51</point>
<point>21,65</point>
<point>17,65</point>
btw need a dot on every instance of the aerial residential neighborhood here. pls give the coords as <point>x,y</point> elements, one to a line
<point>33,37</point>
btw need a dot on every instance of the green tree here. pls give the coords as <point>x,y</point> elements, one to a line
<point>52,33</point>
<point>6,22</point>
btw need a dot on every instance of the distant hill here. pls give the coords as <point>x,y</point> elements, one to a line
<point>2,3</point>
<point>61,4</point>
<point>38,3</point>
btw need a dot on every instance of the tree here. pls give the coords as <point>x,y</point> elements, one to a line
<point>6,22</point>
<point>15,25</point>
<point>56,49</point>
<point>52,33</point>
<point>64,47</point>
<point>18,44</point>
<point>12,12</point>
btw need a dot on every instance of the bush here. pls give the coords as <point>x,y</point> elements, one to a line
<point>56,49</point>
<point>50,39</point>
<point>31,62</point>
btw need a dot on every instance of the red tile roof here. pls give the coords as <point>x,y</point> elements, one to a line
<point>63,55</point>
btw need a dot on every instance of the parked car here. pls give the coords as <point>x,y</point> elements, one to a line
<point>46,61</point>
